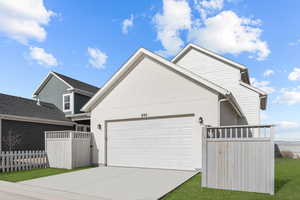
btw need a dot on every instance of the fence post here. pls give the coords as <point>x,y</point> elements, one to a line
<point>272,161</point>
<point>71,150</point>
<point>204,159</point>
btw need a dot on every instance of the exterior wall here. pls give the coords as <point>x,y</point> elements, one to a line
<point>155,90</point>
<point>79,102</point>
<point>228,116</point>
<point>227,77</point>
<point>30,135</point>
<point>53,92</point>
<point>0,134</point>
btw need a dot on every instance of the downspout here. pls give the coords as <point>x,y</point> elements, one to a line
<point>220,101</point>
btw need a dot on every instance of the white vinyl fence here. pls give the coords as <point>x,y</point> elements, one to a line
<point>68,149</point>
<point>239,158</point>
<point>22,160</point>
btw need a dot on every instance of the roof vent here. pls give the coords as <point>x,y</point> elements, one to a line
<point>38,101</point>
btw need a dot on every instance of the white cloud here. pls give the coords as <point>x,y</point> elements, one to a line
<point>263,85</point>
<point>294,75</point>
<point>288,130</point>
<point>126,24</point>
<point>206,7</point>
<point>220,31</point>
<point>268,72</point>
<point>288,96</point>
<point>24,20</point>
<point>42,57</point>
<point>287,135</point>
<point>295,43</point>
<point>176,16</point>
<point>228,33</point>
<point>97,58</point>
<point>288,124</point>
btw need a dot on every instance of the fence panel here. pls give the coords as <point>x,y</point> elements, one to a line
<point>22,160</point>
<point>68,149</point>
<point>239,158</point>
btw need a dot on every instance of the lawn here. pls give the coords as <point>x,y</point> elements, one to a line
<point>287,183</point>
<point>35,173</point>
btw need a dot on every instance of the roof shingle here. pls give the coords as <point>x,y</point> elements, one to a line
<point>78,84</point>
<point>18,106</point>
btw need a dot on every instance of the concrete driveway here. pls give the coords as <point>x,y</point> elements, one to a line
<point>116,183</point>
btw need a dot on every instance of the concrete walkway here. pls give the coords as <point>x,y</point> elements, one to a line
<point>114,183</point>
<point>17,191</point>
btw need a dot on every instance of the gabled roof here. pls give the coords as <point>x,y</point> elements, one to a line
<point>190,46</point>
<point>28,108</point>
<point>78,84</point>
<point>243,69</point>
<point>72,83</point>
<point>140,54</point>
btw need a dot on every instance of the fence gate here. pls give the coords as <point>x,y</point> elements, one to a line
<point>239,158</point>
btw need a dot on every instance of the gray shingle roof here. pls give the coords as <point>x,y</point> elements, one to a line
<point>18,106</point>
<point>78,84</point>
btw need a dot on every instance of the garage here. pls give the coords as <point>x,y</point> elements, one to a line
<point>164,142</point>
<point>151,114</point>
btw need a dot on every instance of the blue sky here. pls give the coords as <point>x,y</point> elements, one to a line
<point>89,41</point>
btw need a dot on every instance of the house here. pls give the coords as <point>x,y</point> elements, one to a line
<point>56,107</point>
<point>152,111</point>
<point>69,95</point>
<point>23,122</point>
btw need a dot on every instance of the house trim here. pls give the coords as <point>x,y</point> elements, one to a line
<point>35,120</point>
<point>71,102</point>
<point>190,46</point>
<point>262,95</point>
<point>257,90</point>
<point>79,117</point>
<point>133,61</point>
<point>45,81</point>
<point>82,92</point>
<point>184,51</point>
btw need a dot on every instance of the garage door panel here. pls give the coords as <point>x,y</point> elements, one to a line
<point>152,143</point>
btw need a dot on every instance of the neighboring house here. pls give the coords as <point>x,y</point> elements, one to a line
<point>69,95</point>
<point>24,121</point>
<point>152,111</point>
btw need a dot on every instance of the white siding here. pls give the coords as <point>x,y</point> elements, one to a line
<point>225,76</point>
<point>153,89</point>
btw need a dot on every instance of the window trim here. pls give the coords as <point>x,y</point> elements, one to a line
<point>71,95</point>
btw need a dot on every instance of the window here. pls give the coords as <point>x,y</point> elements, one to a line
<point>67,102</point>
<point>83,128</point>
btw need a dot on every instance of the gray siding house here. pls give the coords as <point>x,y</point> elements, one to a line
<point>24,121</point>
<point>56,107</point>
<point>69,95</point>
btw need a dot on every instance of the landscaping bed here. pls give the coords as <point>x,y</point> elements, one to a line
<point>34,173</point>
<point>287,186</point>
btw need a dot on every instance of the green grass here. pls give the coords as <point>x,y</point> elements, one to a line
<point>35,173</point>
<point>287,187</point>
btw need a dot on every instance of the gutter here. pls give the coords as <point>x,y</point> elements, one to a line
<point>36,120</point>
<point>234,103</point>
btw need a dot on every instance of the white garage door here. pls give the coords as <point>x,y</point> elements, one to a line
<point>152,143</point>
